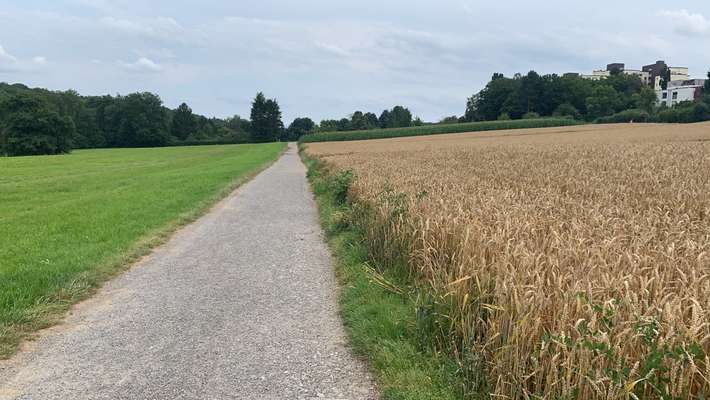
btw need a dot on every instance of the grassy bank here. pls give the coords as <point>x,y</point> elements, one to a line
<point>379,309</point>
<point>437,130</point>
<point>68,223</point>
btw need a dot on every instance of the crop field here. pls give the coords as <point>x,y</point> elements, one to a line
<point>69,222</point>
<point>559,263</point>
<point>437,129</point>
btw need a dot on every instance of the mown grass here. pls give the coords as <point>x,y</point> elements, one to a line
<point>68,223</point>
<point>437,129</point>
<point>379,309</point>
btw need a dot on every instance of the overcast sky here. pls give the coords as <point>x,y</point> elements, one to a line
<point>328,58</point>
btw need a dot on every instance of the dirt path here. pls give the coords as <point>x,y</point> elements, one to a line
<point>241,304</point>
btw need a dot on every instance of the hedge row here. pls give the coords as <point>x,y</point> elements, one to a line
<point>438,129</point>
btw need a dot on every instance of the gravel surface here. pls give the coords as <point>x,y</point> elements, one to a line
<point>242,304</point>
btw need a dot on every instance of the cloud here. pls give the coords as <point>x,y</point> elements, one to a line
<point>39,60</point>
<point>143,65</point>
<point>8,62</point>
<point>687,23</point>
<point>158,28</point>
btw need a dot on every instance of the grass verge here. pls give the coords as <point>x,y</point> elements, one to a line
<point>69,223</point>
<point>438,129</point>
<point>379,309</point>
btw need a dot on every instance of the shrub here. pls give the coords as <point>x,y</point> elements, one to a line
<point>531,115</point>
<point>685,113</point>
<point>632,115</point>
<point>566,110</point>
<point>504,117</point>
<point>340,186</point>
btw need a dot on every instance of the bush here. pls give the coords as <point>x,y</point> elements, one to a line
<point>685,113</point>
<point>37,132</point>
<point>339,185</point>
<point>632,115</point>
<point>566,110</point>
<point>531,115</point>
<point>504,117</point>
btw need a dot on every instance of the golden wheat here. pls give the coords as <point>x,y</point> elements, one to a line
<point>564,263</point>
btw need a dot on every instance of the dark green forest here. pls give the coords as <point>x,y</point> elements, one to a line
<point>619,98</point>
<point>38,121</point>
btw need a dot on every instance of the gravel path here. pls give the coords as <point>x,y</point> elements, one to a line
<point>241,304</point>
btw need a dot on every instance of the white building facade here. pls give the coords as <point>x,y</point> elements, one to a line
<point>680,91</point>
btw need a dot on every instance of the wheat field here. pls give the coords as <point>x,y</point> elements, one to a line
<point>559,263</point>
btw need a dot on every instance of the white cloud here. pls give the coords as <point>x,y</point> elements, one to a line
<point>6,57</point>
<point>159,27</point>
<point>39,60</point>
<point>687,23</point>
<point>143,65</point>
<point>8,62</point>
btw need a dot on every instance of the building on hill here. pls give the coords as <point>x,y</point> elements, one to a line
<point>597,75</point>
<point>679,91</point>
<point>650,74</point>
<point>680,87</point>
<point>618,68</point>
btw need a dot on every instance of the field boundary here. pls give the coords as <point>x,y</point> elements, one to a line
<point>52,310</point>
<point>379,308</point>
<point>438,129</point>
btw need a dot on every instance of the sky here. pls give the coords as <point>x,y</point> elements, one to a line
<point>328,58</point>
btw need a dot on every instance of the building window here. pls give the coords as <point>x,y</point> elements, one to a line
<point>665,95</point>
<point>675,95</point>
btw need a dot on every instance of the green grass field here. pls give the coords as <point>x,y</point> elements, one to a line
<point>437,129</point>
<point>68,223</point>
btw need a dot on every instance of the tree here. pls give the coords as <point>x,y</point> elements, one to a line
<point>400,117</point>
<point>358,121</point>
<point>372,121</point>
<point>385,119</point>
<point>137,120</point>
<point>36,132</point>
<point>183,124</point>
<point>238,124</point>
<point>707,84</point>
<point>665,77</point>
<point>604,101</point>
<point>299,127</point>
<point>266,124</point>
<point>343,124</point>
<point>328,125</point>
<point>645,99</point>
<point>488,103</point>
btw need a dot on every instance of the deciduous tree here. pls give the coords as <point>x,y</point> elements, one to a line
<point>183,123</point>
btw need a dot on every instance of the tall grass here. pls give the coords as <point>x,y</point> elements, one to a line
<point>437,129</point>
<point>575,270</point>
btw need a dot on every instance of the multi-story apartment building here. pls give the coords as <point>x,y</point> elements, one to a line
<point>650,74</point>
<point>680,91</point>
<point>680,87</point>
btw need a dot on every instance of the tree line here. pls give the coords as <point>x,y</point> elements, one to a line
<point>39,121</point>
<point>618,98</point>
